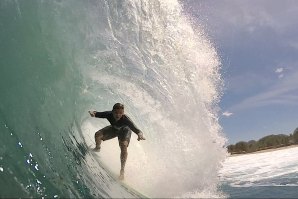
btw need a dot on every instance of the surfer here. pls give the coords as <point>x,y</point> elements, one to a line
<point>121,127</point>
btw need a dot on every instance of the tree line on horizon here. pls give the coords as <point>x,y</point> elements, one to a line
<point>267,142</point>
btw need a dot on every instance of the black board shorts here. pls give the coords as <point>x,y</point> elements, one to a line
<point>110,132</point>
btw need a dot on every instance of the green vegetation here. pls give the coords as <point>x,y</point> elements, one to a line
<point>267,142</point>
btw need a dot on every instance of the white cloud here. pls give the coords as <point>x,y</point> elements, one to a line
<point>284,92</point>
<point>280,76</point>
<point>279,70</point>
<point>227,114</point>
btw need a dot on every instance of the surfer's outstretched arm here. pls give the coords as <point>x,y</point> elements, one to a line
<point>134,128</point>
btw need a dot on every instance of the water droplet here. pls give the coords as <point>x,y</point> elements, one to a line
<point>20,144</point>
<point>36,167</point>
<point>30,155</point>
<point>40,138</point>
<point>1,169</point>
<point>28,161</point>
<point>55,196</point>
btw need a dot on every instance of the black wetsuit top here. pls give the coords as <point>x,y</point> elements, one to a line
<point>123,121</point>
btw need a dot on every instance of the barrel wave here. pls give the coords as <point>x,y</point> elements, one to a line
<point>60,59</point>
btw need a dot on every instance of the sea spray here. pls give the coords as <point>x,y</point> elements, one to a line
<point>148,56</point>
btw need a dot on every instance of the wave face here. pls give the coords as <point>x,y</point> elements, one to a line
<point>60,59</point>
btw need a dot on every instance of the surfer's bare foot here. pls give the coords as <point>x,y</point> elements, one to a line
<point>121,176</point>
<point>96,149</point>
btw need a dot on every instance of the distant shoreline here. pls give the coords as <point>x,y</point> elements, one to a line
<point>265,150</point>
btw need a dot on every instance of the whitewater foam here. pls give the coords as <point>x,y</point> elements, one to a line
<point>275,168</point>
<point>150,58</point>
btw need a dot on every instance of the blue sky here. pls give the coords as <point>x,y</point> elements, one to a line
<point>257,41</point>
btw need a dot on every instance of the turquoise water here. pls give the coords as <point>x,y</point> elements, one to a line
<point>38,111</point>
<point>41,150</point>
<point>260,192</point>
<point>59,59</point>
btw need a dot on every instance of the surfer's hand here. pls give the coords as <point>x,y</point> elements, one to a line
<point>141,137</point>
<point>92,113</point>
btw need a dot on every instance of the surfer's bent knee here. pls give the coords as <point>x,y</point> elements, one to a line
<point>123,144</point>
<point>124,137</point>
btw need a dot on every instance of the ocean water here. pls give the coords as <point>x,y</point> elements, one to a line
<point>59,59</point>
<point>264,175</point>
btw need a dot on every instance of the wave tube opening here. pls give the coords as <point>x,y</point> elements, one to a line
<point>148,56</point>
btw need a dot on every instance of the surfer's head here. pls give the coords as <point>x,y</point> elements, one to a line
<point>118,111</point>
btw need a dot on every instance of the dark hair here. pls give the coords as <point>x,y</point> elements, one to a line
<point>118,106</point>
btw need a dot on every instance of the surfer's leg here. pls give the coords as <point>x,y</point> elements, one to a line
<point>104,134</point>
<point>123,157</point>
<point>124,138</point>
<point>98,139</point>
